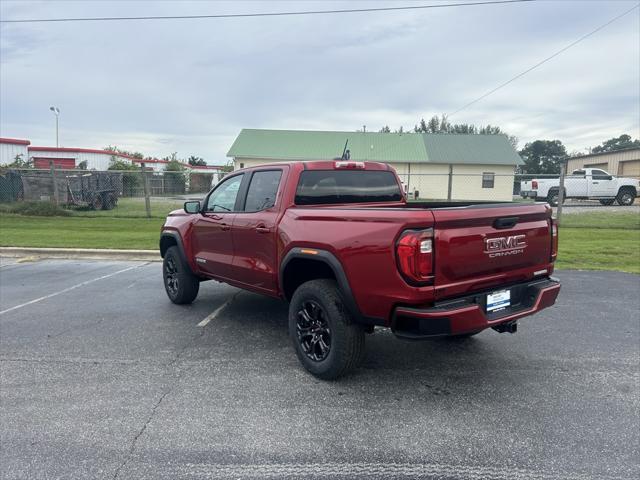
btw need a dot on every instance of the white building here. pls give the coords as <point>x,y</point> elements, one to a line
<point>13,148</point>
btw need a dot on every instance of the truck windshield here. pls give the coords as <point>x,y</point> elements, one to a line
<point>318,187</point>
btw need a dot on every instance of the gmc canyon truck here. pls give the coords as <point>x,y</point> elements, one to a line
<point>585,183</point>
<point>339,241</point>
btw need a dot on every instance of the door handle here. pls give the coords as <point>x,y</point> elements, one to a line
<point>263,229</point>
<point>595,183</point>
<point>224,226</point>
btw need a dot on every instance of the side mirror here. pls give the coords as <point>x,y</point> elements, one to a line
<point>192,207</point>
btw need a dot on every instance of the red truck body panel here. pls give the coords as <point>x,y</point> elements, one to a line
<point>476,247</point>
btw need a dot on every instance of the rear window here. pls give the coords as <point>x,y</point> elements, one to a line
<point>346,186</point>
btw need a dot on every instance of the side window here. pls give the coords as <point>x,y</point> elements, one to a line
<point>599,175</point>
<point>488,179</point>
<point>223,198</point>
<point>579,173</point>
<point>262,190</point>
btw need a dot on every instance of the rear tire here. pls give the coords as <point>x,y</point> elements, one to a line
<point>552,198</point>
<point>607,202</point>
<point>325,339</point>
<point>181,285</point>
<point>626,196</point>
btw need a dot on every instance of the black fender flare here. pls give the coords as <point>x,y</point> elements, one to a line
<point>178,239</point>
<point>343,283</point>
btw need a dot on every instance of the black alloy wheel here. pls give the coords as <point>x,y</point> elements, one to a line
<point>181,284</point>
<point>313,332</point>
<point>171,276</point>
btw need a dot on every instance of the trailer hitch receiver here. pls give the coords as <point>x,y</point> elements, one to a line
<point>510,327</point>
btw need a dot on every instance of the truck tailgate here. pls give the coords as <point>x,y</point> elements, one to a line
<point>479,247</point>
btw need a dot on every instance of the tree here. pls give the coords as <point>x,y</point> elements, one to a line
<point>19,162</point>
<point>196,161</point>
<point>442,125</point>
<point>386,129</point>
<point>131,178</point>
<point>543,156</point>
<point>175,175</point>
<point>617,143</point>
<point>115,149</point>
<point>118,163</point>
<point>174,165</point>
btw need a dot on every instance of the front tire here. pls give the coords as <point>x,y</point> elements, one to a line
<point>181,285</point>
<point>325,339</point>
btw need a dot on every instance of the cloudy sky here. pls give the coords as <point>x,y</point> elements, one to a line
<point>191,85</point>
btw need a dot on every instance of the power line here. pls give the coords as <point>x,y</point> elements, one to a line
<point>263,14</point>
<point>626,12</point>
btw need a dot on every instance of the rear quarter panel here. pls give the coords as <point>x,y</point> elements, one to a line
<point>363,240</point>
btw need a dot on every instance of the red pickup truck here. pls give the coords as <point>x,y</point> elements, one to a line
<point>339,241</point>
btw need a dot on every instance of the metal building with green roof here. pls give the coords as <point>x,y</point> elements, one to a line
<point>457,166</point>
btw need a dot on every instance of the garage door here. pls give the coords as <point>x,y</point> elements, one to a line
<point>601,166</point>
<point>630,168</point>
<point>44,162</point>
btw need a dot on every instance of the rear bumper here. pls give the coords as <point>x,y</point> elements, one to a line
<point>468,314</point>
<point>529,194</point>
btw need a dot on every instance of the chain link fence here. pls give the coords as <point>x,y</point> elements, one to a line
<point>148,193</point>
<point>117,193</point>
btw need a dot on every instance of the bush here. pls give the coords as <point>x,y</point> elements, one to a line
<point>39,209</point>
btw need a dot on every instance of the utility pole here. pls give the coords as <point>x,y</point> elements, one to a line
<point>145,186</point>
<point>563,173</point>
<point>56,112</point>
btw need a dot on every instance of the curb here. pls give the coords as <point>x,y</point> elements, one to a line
<point>81,253</point>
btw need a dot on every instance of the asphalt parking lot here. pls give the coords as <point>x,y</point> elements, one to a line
<point>102,377</point>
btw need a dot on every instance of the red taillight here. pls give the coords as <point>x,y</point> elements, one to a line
<point>415,255</point>
<point>534,184</point>
<point>554,239</point>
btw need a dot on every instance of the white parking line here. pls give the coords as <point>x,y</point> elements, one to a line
<point>69,289</point>
<point>215,313</point>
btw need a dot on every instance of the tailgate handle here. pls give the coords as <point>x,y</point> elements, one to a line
<point>505,222</point>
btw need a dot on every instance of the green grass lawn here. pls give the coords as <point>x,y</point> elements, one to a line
<point>599,249</point>
<point>126,208</point>
<point>623,221</point>
<point>590,241</point>
<point>133,208</point>
<point>79,232</point>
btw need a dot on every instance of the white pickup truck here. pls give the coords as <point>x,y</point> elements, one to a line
<point>585,183</point>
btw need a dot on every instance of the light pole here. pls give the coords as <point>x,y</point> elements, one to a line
<point>56,112</point>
